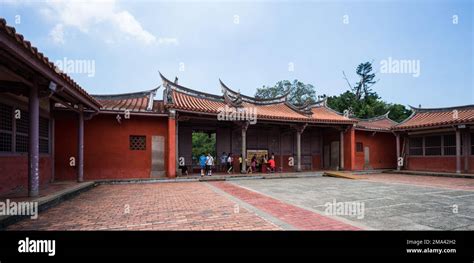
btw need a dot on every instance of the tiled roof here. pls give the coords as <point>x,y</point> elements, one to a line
<point>437,117</point>
<point>379,123</point>
<point>272,111</point>
<point>11,32</point>
<point>134,102</point>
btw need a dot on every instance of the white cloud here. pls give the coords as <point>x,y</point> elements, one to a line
<point>85,15</point>
<point>57,34</point>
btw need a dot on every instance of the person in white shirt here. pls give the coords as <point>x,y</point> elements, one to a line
<point>209,164</point>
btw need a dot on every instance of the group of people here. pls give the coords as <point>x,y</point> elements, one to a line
<point>206,163</point>
<point>254,165</point>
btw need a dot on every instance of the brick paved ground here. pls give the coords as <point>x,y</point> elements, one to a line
<point>161,206</point>
<point>391,202</point>
<point>298,217</point>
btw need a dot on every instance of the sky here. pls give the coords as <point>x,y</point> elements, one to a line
<point>250,44</point>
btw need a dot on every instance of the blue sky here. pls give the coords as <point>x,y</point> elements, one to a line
<point>129,41</point>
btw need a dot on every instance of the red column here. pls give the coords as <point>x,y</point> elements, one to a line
<point>349,149</point>
<point>171,167</point>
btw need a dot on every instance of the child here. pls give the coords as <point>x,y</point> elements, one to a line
<point>202,163</point>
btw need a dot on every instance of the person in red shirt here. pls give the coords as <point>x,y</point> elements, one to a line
<point>271,162</point>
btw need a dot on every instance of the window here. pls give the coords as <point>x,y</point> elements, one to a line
<point>6,128</point>
<point>449,144</point>
<point>359,147</point>
<point>472,143</point>
<point>21,132</point>
<point>43,135</point>
<point>433,145</point>
<point>416,146</point>
<point>14,133</point>
<point>137,142</point>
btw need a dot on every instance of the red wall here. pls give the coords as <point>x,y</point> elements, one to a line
<point>382,150</point>
<point>106,146</point>
<point>437,163</point>
<point>14,173</point>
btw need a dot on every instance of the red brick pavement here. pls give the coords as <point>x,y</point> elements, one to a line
<point>422,180</point>
<point>298,217</point>
<point>159,206</point>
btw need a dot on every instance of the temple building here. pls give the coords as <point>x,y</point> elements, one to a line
<point>51,129</point>
<point>438,139</point>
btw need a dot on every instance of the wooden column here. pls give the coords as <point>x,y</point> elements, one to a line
<point>52,124</point>
<point>467,149</point>
<point>33,150</point>
<point>397,136</point>
<point>171,159</point>
<point>80,145</point>
<point>299,131</point>
<point>458,151</point>
<point>244,128</point>
<point>341,150</point>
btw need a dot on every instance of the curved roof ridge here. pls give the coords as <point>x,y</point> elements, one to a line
<point>186,90</point>
<point>376,118</point>
<point>128,95</point>
<point>419,109</point>
<point>256,100</point>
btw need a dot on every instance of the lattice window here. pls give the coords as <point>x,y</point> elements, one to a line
<point>472,143</point>
<point>137,142</point>
<point>359,147</point>
<point>416,146</point>
<point>5,142</point>
<point>43,135</point>
<point>23,123</point>
<point>21,143</point>
<point>21,132</point>
<point>433,145</point>
<point>449,144</point>
<point>6,128</point>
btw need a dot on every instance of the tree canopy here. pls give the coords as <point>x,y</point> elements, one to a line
<point>299,91</point>
<point>362,102</point>
<point>360,99</point>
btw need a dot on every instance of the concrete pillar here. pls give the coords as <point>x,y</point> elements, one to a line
<point>80,145</point>
<point>33,150</point>
<point>244,146</point>
<point>458,151</point>
<point>341,150</point>
<point>397,136</point>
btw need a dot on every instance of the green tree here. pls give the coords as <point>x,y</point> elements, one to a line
<point>299,92</point>
<point>362,102</point>
<point>203,143</point>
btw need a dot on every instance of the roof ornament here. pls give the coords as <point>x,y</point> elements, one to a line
<point>234,100</point>
<point>304,109</point>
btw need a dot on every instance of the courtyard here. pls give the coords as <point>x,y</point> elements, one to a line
<point>389,202</point>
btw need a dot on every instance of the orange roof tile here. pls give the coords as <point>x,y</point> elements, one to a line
<point>271,111</point>
<point>134,102</point>
<point>379,123</point>
<point>437,117</point>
